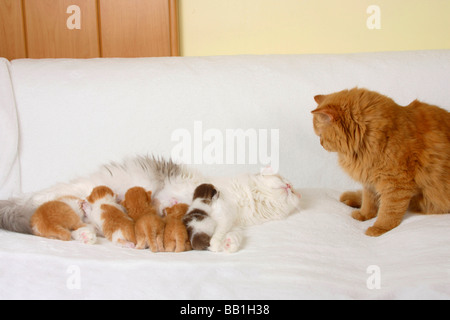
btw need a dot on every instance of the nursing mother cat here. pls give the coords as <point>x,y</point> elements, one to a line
<point>401,155</point>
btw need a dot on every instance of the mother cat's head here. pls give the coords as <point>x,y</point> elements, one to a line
<point>272,196</point>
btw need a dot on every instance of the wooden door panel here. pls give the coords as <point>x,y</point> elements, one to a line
<point>48,35</point>
<point>135,28</point>
<point>12,34</point>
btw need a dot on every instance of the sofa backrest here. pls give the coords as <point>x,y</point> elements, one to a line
<point>77,114</point>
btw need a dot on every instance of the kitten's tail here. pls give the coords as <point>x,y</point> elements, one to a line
<point>15,215</point>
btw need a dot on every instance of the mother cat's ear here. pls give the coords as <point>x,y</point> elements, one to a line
<point>267,171</point>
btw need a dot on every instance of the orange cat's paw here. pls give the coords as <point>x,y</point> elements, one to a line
<point>375,231</point>
<point>352,199</point>
<point>358,216</point>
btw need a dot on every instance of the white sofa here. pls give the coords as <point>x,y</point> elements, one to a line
<point>60,119</point>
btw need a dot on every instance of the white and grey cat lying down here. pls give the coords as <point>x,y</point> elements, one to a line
<point>251,198</point>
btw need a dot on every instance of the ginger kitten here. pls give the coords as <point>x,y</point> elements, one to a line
<point>176,237</point>
<point>401,155</point>
<point>149,227</point>
<point>62,219</point>
<point>109,217</point>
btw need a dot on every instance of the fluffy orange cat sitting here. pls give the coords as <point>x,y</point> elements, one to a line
<point>401,155</point>
<point>149,227</point>
<point>110,218</point>
<point>176,237</point>
<point>62,219</point>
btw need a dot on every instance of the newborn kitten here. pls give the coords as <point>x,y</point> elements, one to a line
<point>110,218</point>
<point>149,227</point>
<point>200,225</point>
<point>209,222</point>
<point>62,219</point>
<point>176,237</point>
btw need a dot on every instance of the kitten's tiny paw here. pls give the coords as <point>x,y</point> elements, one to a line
<point>125,244</point>
<point>130,245</point>
<point>141,245</point>
<point>86,207</point>
<point>85,234</point>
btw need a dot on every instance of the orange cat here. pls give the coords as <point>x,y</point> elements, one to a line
<point>149,226</point>
<point>401,155</point>
<point>176,237</point>
<point>110,218</point>
<point>62,219</point>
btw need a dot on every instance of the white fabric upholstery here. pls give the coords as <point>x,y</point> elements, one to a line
<point>77,114</point>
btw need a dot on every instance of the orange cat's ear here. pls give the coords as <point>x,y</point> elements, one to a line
<point>328,114</point>
<point>149,195</point>
<point>319,98</point>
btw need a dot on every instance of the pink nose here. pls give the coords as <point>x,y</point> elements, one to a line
<point>289,186</point>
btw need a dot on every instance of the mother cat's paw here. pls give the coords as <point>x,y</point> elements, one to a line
<point>232,242</point>
<point>215,244</point>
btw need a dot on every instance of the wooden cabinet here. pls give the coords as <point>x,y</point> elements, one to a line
<point>144,22</point>
<point>12,30</point>
<point>88,28</point>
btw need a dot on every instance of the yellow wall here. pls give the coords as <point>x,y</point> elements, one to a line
<point>218,27</point>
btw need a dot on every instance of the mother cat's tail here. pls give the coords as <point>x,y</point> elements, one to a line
<point>15,215</point>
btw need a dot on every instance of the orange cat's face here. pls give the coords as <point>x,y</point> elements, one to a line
<point>325,121</point>
<point>336,121</point>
